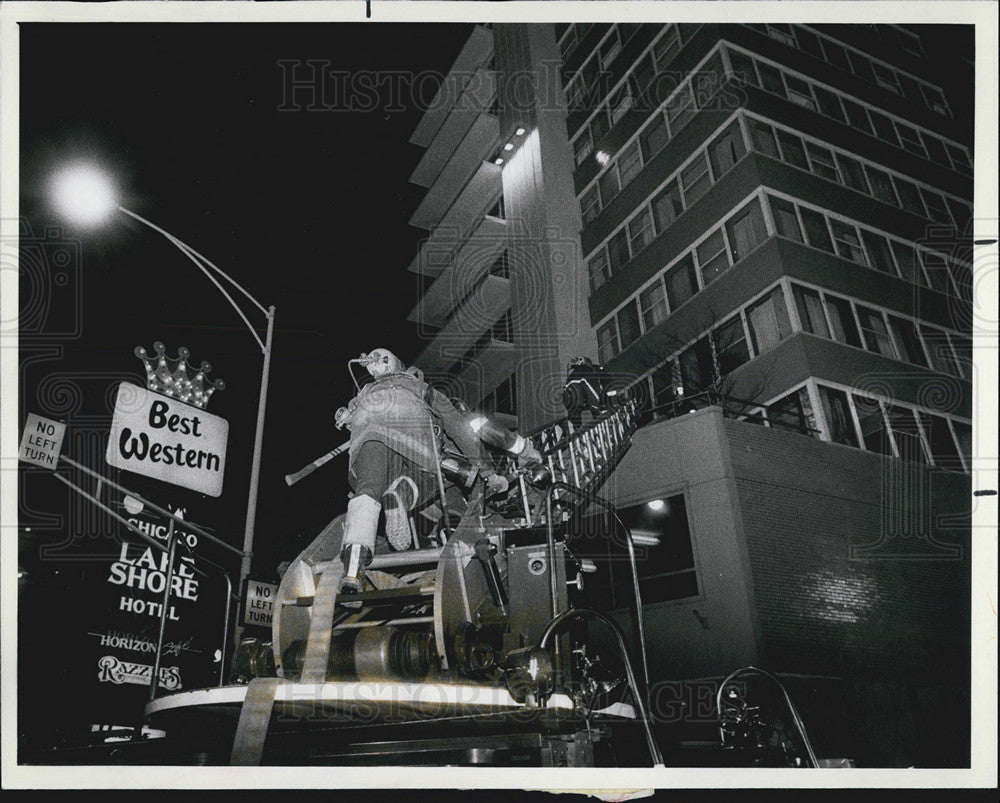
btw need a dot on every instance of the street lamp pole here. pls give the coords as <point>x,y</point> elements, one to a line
<point>265,347</point>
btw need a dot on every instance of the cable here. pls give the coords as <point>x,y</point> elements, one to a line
<point>788,701</point>
<point>550,628</point>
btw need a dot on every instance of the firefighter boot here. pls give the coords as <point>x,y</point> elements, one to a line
<point>398,501</point>
<point>359,541</point>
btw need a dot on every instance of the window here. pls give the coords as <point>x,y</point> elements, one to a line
<point>907,341</point>
<point>731,345</point>
<point>910,42</point>
<point>861,66</point>
<point>934,98</point>
<point>873,430</point>
<point>680,109</point>
<point>712,257</point>
<point>799,92</point>
<point>768,321</point>
<point>936,150</point>
<point>809,42</point>
<point>883,127</point>
<point>666,48</point>
<point>771,79</point>
<point>810,309</point>
<point>829,104</point>
<point>610,48</point>
<point>936,267</point>
<point>963,353</point>
<point>652,305</point>
<point>667,206</point>
<point>961,214</point>
<point>963,437</point>
<point>960,159</point>
<point>781,32</point>
<point>618,251</point>
<point>590,204</point>
<point>609,184</point>
<point>794,411</point>
<point>853,173</point>
<point>629,163</point>
<point>599,125</point>
<point>746,230</point>
<point>881,185</point>
<point>665,383</point>
<point>743,67</point>
<point>640,231</point>
<point>936,206</point>
<point>940,440</point>
<point>654,136</point>
<point>628,325</point>
<point>821,162</point>
<point>879,254</point>
<point>620,102</point>
<point>607,341</point>
<point>697,366</point>
<point>785,219</point>
<point>910,138</point>
<point>582,146</point>
<point>847,242</point>
<point>600,270</point>
<point>792,150</point>
<point>505,396</point>
<point>906,260</point>
<point>726,150</point>
<point>817,234</point>
<point>763,139</point>
<point>886,78</point>
<point>682,282</point>
<point>909,197</point>
<point>837,412</point>
<point>857,116</point>
<point>875,334</point>
<point>906,433</point>
<point>695,179</point>
<point>842,323</point>
<point>836,55</point>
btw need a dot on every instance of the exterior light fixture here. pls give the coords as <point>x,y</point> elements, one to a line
<point>509,146</point>
<point>602,157</point>
<point>498,161</point>
<point>519,132</point>
<point>656,505</point>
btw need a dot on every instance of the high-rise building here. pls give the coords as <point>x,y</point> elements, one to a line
<point>762,231</point>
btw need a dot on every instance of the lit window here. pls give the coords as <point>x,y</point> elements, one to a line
<point>652,305</point>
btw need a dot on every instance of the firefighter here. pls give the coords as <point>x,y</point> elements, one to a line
<point>498,436</point>
<point>394,456</point>
<point>585,390</point>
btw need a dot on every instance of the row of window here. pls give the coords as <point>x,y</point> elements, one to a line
<point>821,229</point>
<point>864,177</point>
<point>882,332</point>
<point>809,94</point>
<point>851,60</point>
<point>682,189</point>
<point>739,234</point>
<point>678,108</point>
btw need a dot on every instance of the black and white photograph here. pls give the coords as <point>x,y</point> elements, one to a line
<point>521,395</point>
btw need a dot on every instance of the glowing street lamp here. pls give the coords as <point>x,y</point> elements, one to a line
<point>87,196</point>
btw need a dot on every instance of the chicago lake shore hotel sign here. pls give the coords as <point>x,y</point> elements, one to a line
<point>168,440</point>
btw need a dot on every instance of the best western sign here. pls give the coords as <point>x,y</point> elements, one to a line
<point>165,439</point>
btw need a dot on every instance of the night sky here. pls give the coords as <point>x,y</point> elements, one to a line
<point>306,208</point>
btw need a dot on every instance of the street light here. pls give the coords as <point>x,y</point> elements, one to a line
<point>86,195</point>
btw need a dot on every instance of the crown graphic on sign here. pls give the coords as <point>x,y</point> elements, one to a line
<point>169,375</point>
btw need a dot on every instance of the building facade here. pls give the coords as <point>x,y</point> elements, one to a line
<point>763,232</point>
